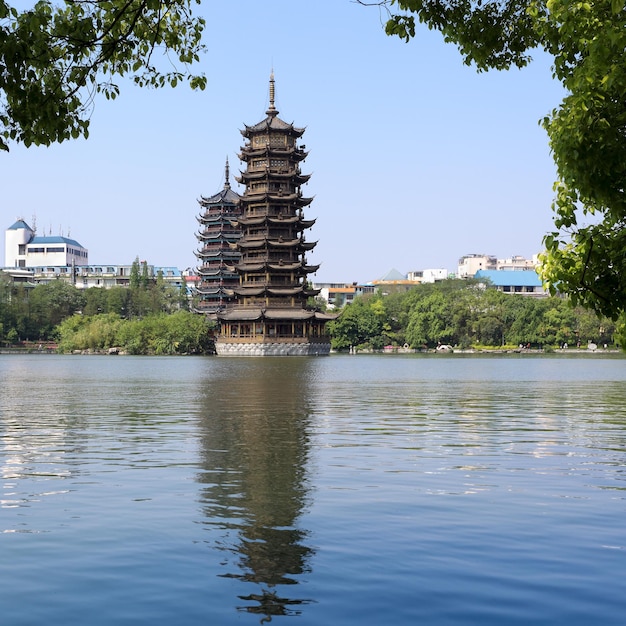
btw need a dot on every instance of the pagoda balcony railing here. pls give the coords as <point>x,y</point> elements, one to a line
<point>274,285</point>
<point>274,339</point>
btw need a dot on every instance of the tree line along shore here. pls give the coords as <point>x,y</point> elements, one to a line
<point>154,318</point>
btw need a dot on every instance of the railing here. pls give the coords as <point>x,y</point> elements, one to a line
<point>275,339</point>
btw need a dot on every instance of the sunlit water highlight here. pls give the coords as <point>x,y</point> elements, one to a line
<point>340,490</point>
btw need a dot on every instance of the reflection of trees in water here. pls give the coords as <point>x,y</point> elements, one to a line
<point>254,451</point>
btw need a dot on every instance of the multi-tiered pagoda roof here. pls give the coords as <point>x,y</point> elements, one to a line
<point>218,236</point>
<point>273,290</point>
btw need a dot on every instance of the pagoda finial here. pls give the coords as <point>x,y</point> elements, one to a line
<point>272,110</point>
<point>227,175</point>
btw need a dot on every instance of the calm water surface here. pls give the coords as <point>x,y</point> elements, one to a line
<point>439,490</point>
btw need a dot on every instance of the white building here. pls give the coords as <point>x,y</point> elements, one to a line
<point>105,276</point>
<point>472,263</point>
<point>23,248</point>
<point>517,263</point>
<point>428,276</point>
<point>337,295</point>
<point>40,260</point>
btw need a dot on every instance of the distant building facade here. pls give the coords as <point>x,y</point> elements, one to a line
<point>472,263</point>
<point>428,276</point>
<point>103,276</point>
<point>37,260</point>
<point>394,281</point>
<point>517,263</point>
<point>522,282</point>
<point>24,248</point>
<point>337,295</point>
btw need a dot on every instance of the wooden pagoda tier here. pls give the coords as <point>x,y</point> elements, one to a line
<point>257,331</point>
<point>270,312</point>
<point>218,253</point>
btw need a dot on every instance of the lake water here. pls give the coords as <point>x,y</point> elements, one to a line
<point>368,489</point>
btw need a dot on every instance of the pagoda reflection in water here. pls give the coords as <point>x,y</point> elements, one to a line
<point>255,455</point>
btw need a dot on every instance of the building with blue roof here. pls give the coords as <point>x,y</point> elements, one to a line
<point>526,282</point>
<point>24,248</point>
<point>34,259</point>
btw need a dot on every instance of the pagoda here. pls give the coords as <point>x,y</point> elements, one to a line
<point>269,314</point>
<point>217,235</point>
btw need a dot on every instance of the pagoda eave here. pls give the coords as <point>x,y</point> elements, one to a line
<point>216,254</point>
<point>269,173</point>
<point>306,223</point>
<point>271,197</point>
<point>240,315</point>
<point>210,292</point>
<point>288,314</point>
<point>251,221</point>
<point>287,243</point>
<point>294,219</point>
<point>247,244</point>
<point>285,267</point>
<point>272,123</point>
<point>285,291</point>
<point>295,154</point>
<point>249,291</point>
<point>211,219</point>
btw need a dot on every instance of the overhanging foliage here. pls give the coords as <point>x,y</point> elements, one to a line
<point>55,57</point>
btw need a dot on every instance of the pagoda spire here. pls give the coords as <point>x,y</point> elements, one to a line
<point>272,112</point>
<point>227,175</point>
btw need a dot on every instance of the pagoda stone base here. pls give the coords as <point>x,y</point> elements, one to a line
<point>226,348</point>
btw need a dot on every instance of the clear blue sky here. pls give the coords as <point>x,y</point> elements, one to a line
<point>416,159</point>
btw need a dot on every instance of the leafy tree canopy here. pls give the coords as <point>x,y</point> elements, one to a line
<point>585,255</point>
<point>56,56</point>
<point>460,313</point>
